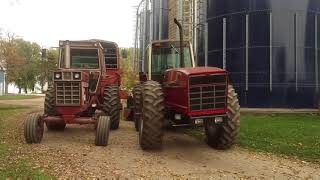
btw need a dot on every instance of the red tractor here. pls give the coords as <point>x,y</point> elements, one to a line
<point>174,91</point>
<point>87,81</point>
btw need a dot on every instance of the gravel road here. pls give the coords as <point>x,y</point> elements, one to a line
<point>72,154</point>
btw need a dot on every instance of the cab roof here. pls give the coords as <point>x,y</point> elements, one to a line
<point>89,43</point>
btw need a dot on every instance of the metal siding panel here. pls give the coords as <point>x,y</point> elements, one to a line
<point>236,66</point>
<point>271,57</point>
<point>215,34</point>
<point>236,31</point>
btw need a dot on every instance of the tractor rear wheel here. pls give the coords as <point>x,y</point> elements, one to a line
<point>33,128</point>
<point>112,104</point>
<point>102,131</point>
<point>50,110</point>
<point>224,136</point>
<point>49,102</point>
<point>152,119</point>
<point>137,98</point>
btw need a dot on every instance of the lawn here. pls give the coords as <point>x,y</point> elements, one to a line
<point>11,165</point>
<point>18,97</point>
<point>295,135</point>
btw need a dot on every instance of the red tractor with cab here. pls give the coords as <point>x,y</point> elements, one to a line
<point>173,91</point>
<point>87,81</point>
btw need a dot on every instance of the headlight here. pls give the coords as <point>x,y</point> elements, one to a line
<point>77,76</point>
<point>57,75</point>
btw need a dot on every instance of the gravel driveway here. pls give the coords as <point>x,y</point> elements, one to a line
<point>72,154</point>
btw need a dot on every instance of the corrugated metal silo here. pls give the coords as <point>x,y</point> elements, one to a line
<point>270,48</point>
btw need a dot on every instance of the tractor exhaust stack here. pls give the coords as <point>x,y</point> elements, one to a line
<point>67,61</point>
<point>181,42</point>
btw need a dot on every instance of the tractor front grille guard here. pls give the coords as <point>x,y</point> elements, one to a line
<point>68,93</point>
<point>208,92</point>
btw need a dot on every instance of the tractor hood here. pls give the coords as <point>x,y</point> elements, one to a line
<point>200,70</point>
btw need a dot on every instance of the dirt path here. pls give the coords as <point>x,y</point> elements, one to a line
<point>36,103</point>
<point>72,154</point>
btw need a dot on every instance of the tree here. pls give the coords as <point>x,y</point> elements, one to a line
<point>129,77</point>
<point>9,59</point>
<point>23,63</point>
<point>30,53</point>
<point>124,53</point>
<point>49,63</point>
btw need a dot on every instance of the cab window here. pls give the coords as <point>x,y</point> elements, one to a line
<point>84,58</point>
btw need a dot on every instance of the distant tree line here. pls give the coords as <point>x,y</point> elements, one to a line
<point>129,76</point>
<point>25,63</point>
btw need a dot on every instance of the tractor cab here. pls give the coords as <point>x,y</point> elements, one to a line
<point>164,55</point>
<point>81,60</point>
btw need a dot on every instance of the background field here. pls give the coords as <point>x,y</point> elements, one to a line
<point>295,135</point>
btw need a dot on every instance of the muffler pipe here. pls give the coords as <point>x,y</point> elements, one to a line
<point>181,42</point>
<point>67,60</point>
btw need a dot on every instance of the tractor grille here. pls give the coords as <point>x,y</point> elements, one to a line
<point>207,92</point>
<point>68,93</point>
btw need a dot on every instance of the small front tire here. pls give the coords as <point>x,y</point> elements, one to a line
<point>102,131</point>
<point>33,128</point>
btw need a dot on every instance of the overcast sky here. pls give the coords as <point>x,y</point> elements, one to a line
<point>48,21</point>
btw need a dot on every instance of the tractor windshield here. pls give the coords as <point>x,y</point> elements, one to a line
<point>81,58</point>
<point>164,58</point>
<point>84,58</point>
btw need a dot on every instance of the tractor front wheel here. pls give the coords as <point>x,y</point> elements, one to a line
<point>224,136</point>
<point>33,128</point>
<point>102,131</point>
<point>111,105</point>
<point>152,119</point>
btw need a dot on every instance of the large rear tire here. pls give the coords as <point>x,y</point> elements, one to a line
<point>33,128</point>
<point>152,119</point>
<point>224,136</point>
<point>50,110</point>
<point>49,102</point>
<point>137,98</point>
<point>102,131</point>
<point>111,105</point>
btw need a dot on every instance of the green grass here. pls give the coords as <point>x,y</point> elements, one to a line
<point>18,97</point>
<point>20,167</point>
<point>295,135</point>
